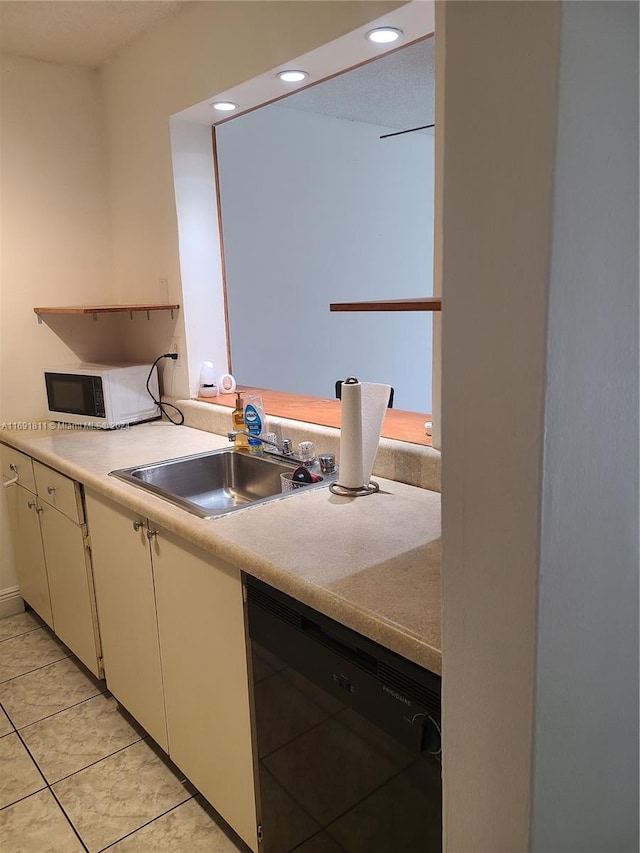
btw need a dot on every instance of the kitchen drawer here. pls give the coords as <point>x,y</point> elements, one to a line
<point>21,465</point>
<point>59,492</point>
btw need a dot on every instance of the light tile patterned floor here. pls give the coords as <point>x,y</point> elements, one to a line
<point>78,773</point>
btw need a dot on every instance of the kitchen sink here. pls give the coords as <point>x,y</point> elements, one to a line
<point>214,483</point>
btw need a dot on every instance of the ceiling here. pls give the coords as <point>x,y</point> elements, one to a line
<point>86,33</point>
<point>395,91</point>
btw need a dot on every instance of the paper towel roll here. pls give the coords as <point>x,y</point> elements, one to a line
<point>363,409</point>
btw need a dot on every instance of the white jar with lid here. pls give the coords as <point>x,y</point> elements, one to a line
<point>207,386</point>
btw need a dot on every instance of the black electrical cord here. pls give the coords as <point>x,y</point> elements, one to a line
<point>164,406</point>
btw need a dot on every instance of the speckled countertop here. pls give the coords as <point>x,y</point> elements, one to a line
<point>372,563</point>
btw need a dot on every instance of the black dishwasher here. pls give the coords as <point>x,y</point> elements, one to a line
<point>348,736</point>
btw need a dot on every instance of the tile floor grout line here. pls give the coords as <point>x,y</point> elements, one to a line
<point>55,713</point>
<point>44,779</point>
<point>46,786</point>
<point>49,786</point>
<point>148,823</point>
<point>189,792</point>
<point>53,794</point>
<point>11,723</point>
<point>93,763</point>
<point>22,633</point>
<point>69,821</point>
<point>22,799</point>
<point>35,669</point>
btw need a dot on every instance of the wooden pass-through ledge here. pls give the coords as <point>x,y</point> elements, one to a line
<point>403,426</point>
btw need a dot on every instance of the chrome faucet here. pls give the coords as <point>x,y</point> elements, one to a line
<point>285,449</point>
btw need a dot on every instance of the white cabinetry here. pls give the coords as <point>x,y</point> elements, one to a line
<point>25,531</point>
<point>172,624</point>
<point>66,550</point>
<point>127,612</point>
<point>51,550</point>
<point>204,663</point>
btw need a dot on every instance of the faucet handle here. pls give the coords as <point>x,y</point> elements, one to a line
<point>271,439</point>
<point>327,463</point>
<point>307,452</point>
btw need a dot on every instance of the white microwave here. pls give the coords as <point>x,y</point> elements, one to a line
<point>102,395</point>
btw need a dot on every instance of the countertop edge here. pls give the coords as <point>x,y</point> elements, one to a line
<point>203,535</point>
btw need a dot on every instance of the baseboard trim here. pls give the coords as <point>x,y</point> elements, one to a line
<point>10,601</point>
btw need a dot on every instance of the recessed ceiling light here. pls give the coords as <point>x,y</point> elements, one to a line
<point>292,76</point>
<point>225,106</point>
<point>384,35</point>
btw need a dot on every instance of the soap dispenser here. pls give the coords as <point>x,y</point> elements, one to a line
<point>241,441</point>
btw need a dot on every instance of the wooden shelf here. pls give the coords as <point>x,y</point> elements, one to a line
<point>104,309</point>
<point>427,303</point>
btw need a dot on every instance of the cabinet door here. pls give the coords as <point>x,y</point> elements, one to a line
<point>15,463</point>
<point>27,545</point>
<point>204,663</point>
<point>70,585</point>
<point>127,612</point>
<point>58,491</point>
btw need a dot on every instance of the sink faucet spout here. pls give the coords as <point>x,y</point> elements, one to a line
<point>284,450</point>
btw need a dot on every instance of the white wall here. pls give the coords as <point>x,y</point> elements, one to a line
<point>200,253</point>
<point>540,426</point>
<point>498,133</point>
<point>586,725</point>
<point>203,50</point>
<point>70,235</point>
<point>55,231</point>
<point>317,210</point>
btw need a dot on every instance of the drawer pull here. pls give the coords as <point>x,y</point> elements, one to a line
<point>51,490</point>
<point>137,525</point>
<point>13,479</point>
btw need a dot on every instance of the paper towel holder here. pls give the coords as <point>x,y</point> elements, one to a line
<point>344,491</point>
<point>369,488</point>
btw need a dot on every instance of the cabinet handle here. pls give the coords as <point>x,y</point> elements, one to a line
<point>151,534</point>
<point>34,505</point>
<point>51,490</point>
<point>137,525</point>
<point>10,481</point>
<point>38,509</point>
<point>13,479</point>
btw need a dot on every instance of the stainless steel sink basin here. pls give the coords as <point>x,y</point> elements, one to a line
<point>214,483</point>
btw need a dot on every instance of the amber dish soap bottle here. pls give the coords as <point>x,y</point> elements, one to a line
<point>241,441</point>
